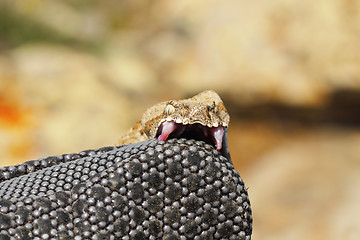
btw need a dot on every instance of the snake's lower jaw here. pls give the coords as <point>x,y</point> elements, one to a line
<point>214,135</point>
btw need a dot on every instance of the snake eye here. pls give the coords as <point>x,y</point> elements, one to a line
<point>169,109</point>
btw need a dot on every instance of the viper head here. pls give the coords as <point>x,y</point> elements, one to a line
<point>202,117</point>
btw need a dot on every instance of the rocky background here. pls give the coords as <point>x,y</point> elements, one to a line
<point>77,74</point>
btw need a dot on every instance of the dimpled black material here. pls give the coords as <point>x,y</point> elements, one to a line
<point>178,189</point>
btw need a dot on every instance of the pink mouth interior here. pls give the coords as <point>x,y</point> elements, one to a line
<point>197,131</point>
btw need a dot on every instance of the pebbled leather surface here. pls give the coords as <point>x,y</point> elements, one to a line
<point>7,173</point>
<point>178,189</point>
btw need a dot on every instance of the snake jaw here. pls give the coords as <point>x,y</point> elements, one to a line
<point>212,135</point>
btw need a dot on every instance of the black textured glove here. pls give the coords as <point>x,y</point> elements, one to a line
<point>178,189</point>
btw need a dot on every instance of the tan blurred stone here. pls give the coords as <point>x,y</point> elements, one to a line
<point>72,108</point>
<point>284,51</point>
<point>129,70</point>
<point>308,188</point>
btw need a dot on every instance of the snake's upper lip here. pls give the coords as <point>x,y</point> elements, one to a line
<point>197,131</point>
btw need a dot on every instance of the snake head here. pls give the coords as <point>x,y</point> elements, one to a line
<point>202,117</point>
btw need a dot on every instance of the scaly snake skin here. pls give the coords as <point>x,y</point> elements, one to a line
<point>178,189</point>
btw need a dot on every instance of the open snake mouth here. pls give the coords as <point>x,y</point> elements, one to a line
<point>215,136</point>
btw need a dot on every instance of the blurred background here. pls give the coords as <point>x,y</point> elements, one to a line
<point>76,75</point>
